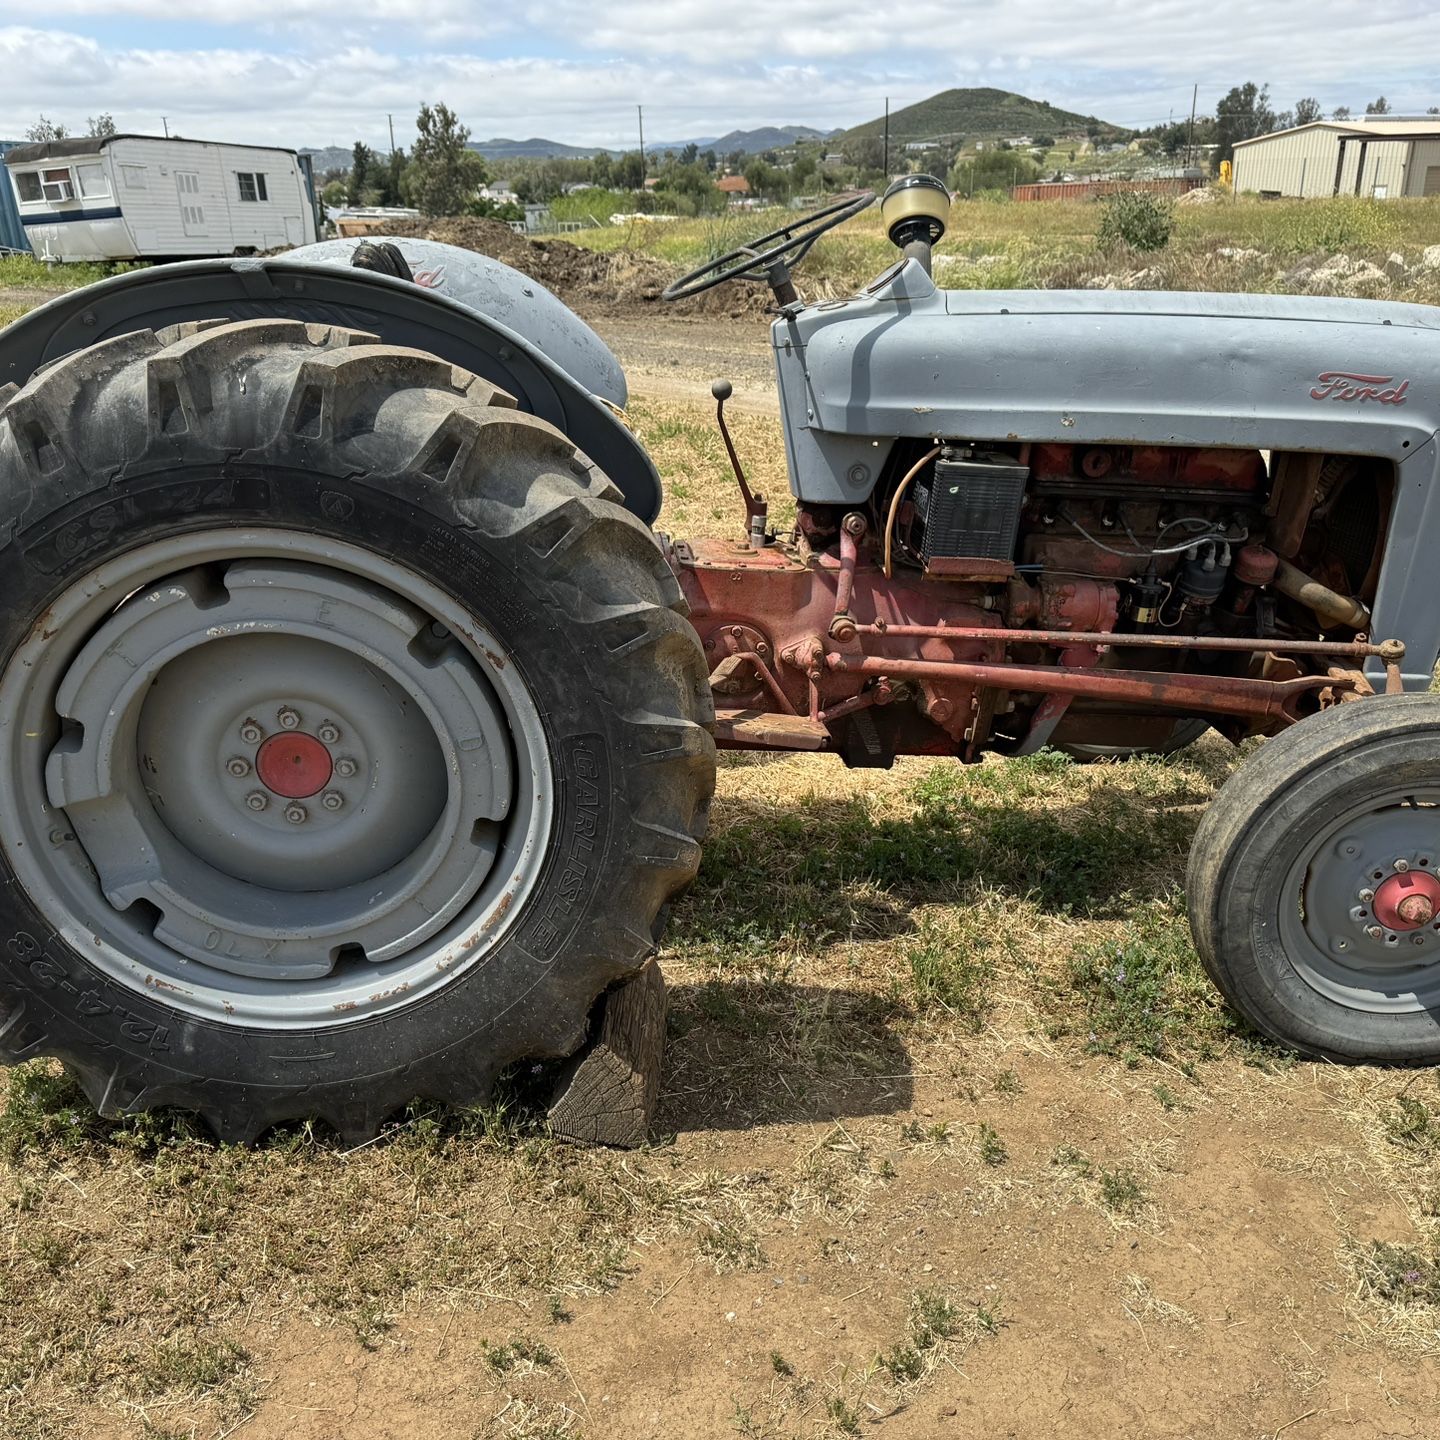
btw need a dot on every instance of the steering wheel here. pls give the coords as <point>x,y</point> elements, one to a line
<point>768,259</point>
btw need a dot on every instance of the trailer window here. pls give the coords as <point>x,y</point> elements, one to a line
<point>134,177</point>
<point>252,185</point>
<point>57,184</point>
<point>27,187</point>
<point>92,180</point>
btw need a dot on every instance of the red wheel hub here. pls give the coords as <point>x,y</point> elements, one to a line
<point>294,765</point>
<point>1408,900</point>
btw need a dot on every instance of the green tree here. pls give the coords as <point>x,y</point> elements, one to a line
<point>693,184</point>
<point>993,170</point>
<point>444,172</point>
<point>1380,106</point>
<point>390,177</point>
<point>766,182</point>
<point>690,154</point>
<point>1243,114</point>
<point>362,164</point>
<point>1340,112</point>
<point>44,130</point>
<point>100,126</point>
<point>1307,110</point>
<point>866,153</point>
<point>629,171</point>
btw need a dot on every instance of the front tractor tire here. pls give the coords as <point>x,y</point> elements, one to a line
<point>1314,884</point>
<point>352,736</point>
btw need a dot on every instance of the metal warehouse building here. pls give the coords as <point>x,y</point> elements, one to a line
<point>1383,158</point>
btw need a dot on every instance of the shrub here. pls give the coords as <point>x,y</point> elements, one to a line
<point>1138,219</point>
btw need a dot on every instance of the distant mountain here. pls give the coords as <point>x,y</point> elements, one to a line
<point>767,137</point>
<point>330,157</point>
<point>533,149</point>
<point>968,114</point>
<point>748,142</point>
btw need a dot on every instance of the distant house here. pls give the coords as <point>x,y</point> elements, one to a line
<point>918,147</point>
<point>735,186</point>
<point>502,192</point>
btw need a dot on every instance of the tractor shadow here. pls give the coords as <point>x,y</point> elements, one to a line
<point>744,1053</point>
<point>790,892</point>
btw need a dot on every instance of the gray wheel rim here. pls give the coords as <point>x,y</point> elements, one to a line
<point>1329,923</point>
<point>283,782</point>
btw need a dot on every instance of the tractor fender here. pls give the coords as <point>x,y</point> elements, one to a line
<point>482,315</point>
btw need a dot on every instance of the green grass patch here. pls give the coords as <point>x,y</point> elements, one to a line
<point>1143,992</point>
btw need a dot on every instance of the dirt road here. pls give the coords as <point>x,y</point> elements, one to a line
<point>668,357</point>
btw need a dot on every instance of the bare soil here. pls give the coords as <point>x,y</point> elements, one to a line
<point>1217,1312</point>
<point>675,357</point>
<point>592,281</point>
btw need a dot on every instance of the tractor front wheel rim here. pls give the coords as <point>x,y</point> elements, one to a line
<point>1354,919</point>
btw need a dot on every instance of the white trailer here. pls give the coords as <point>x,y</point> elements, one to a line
<point>143,197</point>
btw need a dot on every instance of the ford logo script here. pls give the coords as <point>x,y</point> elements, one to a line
<point>1347,385</point>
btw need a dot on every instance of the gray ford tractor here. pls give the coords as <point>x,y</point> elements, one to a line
<point>357,729</point>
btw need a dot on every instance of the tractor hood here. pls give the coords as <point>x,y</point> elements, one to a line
<point>1096,367</point>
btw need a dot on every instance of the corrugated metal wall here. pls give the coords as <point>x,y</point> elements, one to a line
<point>1424,169</point>
<point>1302,162</point>
<point>1093,189</point>
<point>12,232</point>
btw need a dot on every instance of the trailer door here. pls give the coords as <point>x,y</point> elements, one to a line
<point>192,212</point>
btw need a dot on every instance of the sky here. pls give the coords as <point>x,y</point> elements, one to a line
<point>322,72</point>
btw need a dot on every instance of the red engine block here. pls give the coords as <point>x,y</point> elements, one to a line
<point>774,623</point>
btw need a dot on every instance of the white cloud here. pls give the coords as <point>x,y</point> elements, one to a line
<point>698,66</point>
<point>291,99</point>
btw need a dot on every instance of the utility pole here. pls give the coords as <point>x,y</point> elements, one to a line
<point>640,115</point>
<point>887,139</point>
<point>391,119</point>
<point>165,125</point>
<point>1190,144</point>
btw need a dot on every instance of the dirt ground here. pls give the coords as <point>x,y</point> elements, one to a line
<point>1217,1312</point>
<point>955,1140</point>
<point>674,358</point>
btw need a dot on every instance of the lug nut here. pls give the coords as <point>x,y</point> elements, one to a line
<point>1366,896</point>
<point>238,766</point>
<point>251,733</point>
<point>328,733</point>
<point>332,799</point>
<point>296,814</point>
<point>345,767</point>
<point>1374,932</point>
<point>1402,866</point>
<point>289,719</point>
<point>257,800</point>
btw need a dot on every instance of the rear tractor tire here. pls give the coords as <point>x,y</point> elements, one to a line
<point>1314,884</point>
<point>352,736</point>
